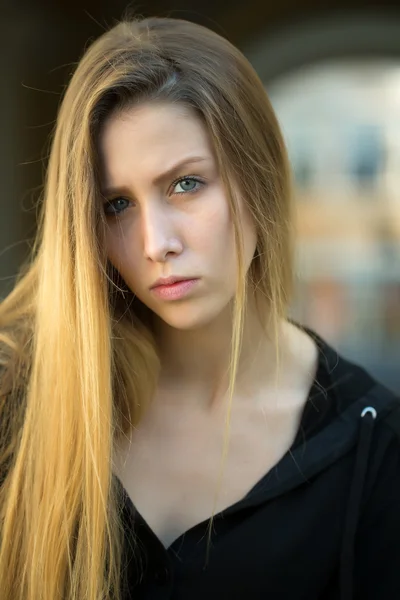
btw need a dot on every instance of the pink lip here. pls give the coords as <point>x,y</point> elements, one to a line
<point>174,291</point>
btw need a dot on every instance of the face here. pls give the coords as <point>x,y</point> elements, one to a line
<point>168,214</point>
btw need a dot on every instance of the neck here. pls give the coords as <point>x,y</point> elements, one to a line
<point>198,360</point>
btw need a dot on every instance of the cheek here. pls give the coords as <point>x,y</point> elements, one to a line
<point>115,249</point>
<point>213,230</point>
<point>122,254</point>
<point>219,234</point>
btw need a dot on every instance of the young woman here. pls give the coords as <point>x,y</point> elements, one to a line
<point>166,431</point>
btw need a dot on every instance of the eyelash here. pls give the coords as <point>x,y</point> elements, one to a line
<point>173,184</point>
<point>188,178</point>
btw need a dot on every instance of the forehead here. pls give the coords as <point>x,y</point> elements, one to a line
<point>145,139</point>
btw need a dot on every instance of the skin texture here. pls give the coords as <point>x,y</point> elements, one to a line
<point>170,228</point>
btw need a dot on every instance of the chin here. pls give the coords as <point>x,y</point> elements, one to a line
<point>188,319</point>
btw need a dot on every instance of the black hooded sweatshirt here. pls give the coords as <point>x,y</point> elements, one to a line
<point>323,524</point>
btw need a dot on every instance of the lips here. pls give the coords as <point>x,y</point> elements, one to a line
<point>176,289</point>
<point>162,281</point>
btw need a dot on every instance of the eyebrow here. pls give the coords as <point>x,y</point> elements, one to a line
<point>173,170</point>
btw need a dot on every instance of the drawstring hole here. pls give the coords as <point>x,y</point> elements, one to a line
<point>369,410</point>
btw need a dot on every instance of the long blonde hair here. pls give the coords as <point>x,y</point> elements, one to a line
<point>78,362</point>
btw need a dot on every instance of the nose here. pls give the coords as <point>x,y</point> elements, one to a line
<point>160,233</point>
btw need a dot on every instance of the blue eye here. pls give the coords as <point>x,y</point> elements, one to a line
<point>115,206</point>
<point>187,184</point>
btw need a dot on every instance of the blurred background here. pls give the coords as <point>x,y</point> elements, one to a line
<point>332,71</point>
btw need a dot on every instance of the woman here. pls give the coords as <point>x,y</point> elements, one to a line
<point>167,432</point>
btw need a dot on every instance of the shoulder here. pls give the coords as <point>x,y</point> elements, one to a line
<point>343,389</point>
<point>349,381</point>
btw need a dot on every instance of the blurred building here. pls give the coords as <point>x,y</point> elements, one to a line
<point>342,123</point>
